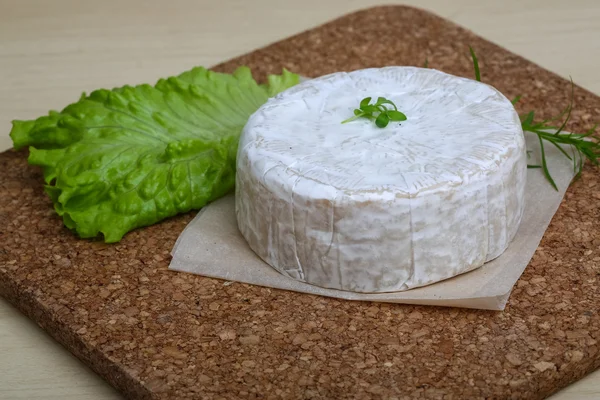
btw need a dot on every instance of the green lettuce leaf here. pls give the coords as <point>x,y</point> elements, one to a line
<point>129,157</point>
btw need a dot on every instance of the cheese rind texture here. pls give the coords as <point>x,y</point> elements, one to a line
<point>366,209</point>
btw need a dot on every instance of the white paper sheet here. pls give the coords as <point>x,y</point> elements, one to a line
<point>211,245</point>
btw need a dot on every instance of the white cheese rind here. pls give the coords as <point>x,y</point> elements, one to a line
<point>360,208</point>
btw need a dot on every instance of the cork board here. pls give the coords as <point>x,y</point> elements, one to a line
<point>156,334</point>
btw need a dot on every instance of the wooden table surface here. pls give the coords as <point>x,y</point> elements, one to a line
<point>51,51</point>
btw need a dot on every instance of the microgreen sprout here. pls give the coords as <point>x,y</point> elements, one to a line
<point>378,112</point>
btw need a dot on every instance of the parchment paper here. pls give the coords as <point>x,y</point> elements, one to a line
<point>211,245</point>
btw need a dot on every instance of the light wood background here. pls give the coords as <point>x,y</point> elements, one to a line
<point>51,51</point>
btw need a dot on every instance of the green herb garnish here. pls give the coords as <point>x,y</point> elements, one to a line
<point>378,112</point>
<point>583,146</point>
<point>475,65</point>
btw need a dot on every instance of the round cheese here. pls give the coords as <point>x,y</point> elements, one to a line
<point>360,208</point>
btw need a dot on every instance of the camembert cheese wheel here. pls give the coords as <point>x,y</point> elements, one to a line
<point>360,208</point>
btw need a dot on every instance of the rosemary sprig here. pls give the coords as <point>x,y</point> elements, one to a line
<point>583,146</point>
<point>475,65</point>
<point>378,111</point>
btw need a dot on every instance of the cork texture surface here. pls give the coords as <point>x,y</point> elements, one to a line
<point>157,334</point>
